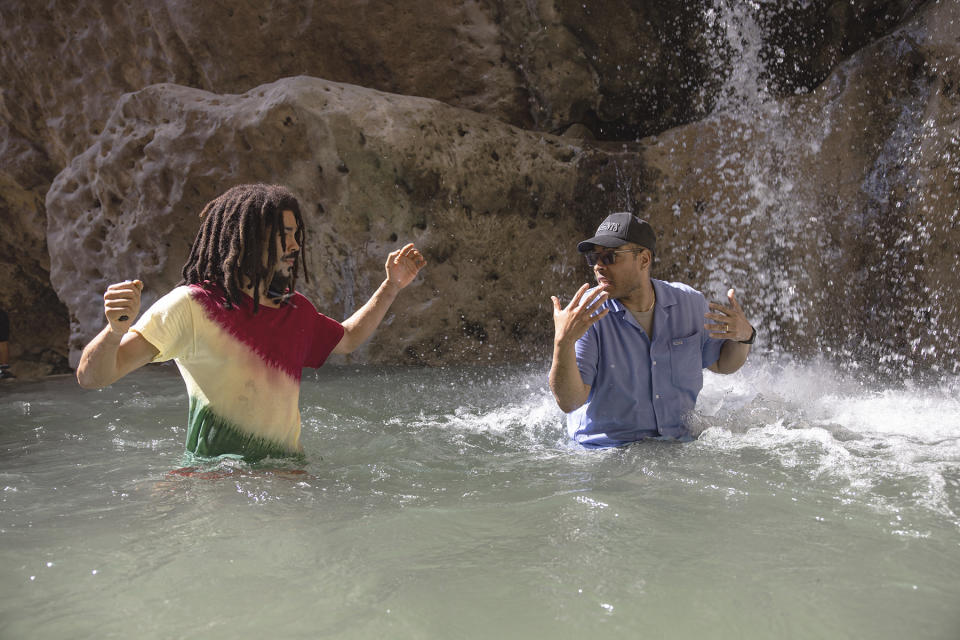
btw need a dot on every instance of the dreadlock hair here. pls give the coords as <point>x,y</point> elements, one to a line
<point>238,229</point>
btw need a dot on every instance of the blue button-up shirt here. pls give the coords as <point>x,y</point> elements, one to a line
<point>643,388</point>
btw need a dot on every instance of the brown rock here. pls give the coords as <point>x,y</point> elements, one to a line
<point>633,69</point>
<point>489,205</point>
<point>63,68</point>
<point>622,70</point>
<point>835,214</point>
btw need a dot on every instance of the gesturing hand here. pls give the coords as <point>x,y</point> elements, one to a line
<point>121,304</point>
<point>729,321</point>
<point>572,321</point>
<point>403,265</point>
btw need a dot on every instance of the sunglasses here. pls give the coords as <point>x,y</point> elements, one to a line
<point>607,257</point>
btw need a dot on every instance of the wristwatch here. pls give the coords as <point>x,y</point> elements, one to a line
<point>753,334</point>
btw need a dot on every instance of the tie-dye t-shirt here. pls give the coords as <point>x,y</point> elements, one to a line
<point>242,370</point>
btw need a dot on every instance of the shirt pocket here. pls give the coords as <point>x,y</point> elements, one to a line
<point>686,371</point>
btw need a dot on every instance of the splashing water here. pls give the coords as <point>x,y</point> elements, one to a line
<point>799,248</point>
<point>738,57</point>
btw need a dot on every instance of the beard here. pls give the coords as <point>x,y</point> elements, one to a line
<point>281,286</point>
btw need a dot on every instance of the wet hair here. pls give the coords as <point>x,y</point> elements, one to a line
<point>238,227</point>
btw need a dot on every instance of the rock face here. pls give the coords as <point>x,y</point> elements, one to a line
<point>729,167</point>
<point>837,209</point>
<point>488,203</point>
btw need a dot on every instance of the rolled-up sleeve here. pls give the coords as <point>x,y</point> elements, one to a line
<point>588,355</point>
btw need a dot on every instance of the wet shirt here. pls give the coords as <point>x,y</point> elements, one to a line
<point>242,370</point>
<point>643,388</point>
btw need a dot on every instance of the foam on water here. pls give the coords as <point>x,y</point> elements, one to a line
<point>891,448</point>
<point>871,438</point>
<point>527,420</point>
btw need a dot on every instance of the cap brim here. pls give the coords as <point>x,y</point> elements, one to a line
<point>603,241</point>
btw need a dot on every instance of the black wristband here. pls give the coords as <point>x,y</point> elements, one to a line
<point>753,334</point>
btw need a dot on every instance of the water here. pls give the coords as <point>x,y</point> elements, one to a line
<point>794,240</point>
<point>446,503</point>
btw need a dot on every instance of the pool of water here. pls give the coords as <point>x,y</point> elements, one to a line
<point>447,503</point>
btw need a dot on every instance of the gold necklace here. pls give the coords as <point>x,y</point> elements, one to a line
<point>650,308</point>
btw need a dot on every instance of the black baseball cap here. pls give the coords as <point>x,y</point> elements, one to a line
<point>617,229</point>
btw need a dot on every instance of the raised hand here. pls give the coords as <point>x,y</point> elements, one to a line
<point>729,321</point>
<point>121,304</point>
<point>572,321</point>
<point>403,265</point>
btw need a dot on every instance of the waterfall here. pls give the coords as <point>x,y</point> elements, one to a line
<point>829,244</point>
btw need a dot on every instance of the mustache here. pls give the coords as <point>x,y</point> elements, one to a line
<point>290,256</point>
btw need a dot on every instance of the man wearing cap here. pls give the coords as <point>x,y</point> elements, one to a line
<point>629,354</point>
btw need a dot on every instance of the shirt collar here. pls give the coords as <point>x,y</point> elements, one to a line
<point>665,297</point>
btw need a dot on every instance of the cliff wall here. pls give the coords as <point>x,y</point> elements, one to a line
<point>805,153</point>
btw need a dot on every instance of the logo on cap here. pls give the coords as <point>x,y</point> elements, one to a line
<point>609,226</point>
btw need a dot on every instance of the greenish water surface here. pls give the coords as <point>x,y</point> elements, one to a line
<point>447,503</point>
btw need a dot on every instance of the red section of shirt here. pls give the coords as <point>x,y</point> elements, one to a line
<point>290,337</point>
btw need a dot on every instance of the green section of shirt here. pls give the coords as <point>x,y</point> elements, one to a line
<point>210,435</point>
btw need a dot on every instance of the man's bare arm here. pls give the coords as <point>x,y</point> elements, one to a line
<point>570,323</point>
<point>115,351</point>
<point>732,356</point>
<point>567,386</point>
<point>402,267</point>
<point>730,323</point>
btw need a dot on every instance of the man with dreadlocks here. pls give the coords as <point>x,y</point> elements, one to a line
<point>237,328</point>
